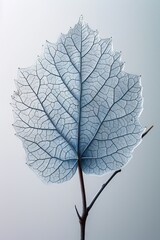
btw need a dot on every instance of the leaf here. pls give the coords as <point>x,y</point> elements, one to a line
<point>76,102</point>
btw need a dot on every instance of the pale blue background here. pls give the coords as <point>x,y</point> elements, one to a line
<point>129,209</point>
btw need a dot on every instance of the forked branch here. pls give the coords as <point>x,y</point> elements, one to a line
<point>85,210</point>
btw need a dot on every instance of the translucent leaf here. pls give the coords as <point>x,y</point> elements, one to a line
<point>76,102</point>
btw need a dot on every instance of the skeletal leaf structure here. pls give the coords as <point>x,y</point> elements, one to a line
<point>77,104</point>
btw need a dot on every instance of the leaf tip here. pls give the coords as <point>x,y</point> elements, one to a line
<point>81,20</point>
<point>110,40</point>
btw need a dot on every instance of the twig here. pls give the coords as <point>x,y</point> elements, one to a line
<point>113,175</point>
<point>102,188</point>
<point>77,212</point>
<point>147,131</point>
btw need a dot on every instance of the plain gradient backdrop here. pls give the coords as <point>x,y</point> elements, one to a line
<point>129,209</point>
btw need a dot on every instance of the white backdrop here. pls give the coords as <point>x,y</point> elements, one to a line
<point>129,208</point>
